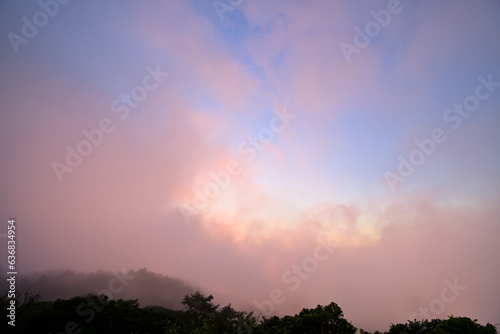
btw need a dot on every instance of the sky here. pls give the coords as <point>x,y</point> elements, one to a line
<point>279,154</point>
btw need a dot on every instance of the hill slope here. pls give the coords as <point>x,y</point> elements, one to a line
<point>146,286</point>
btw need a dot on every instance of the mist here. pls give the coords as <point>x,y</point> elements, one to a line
<point>252,155</point>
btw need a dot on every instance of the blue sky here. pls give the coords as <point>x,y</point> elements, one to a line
<point>324,175</point>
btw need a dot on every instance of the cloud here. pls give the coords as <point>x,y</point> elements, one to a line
<point>320,178</point>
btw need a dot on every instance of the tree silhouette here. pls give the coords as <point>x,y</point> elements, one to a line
<point>98,314</point>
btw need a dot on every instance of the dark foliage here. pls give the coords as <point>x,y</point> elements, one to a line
<point>99,314</point>
<point>148,287</point>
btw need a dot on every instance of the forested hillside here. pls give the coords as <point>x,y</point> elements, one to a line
<point>99,314</point>
<point>148,287</point>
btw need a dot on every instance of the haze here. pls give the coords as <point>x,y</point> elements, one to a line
<point>222,143</point>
